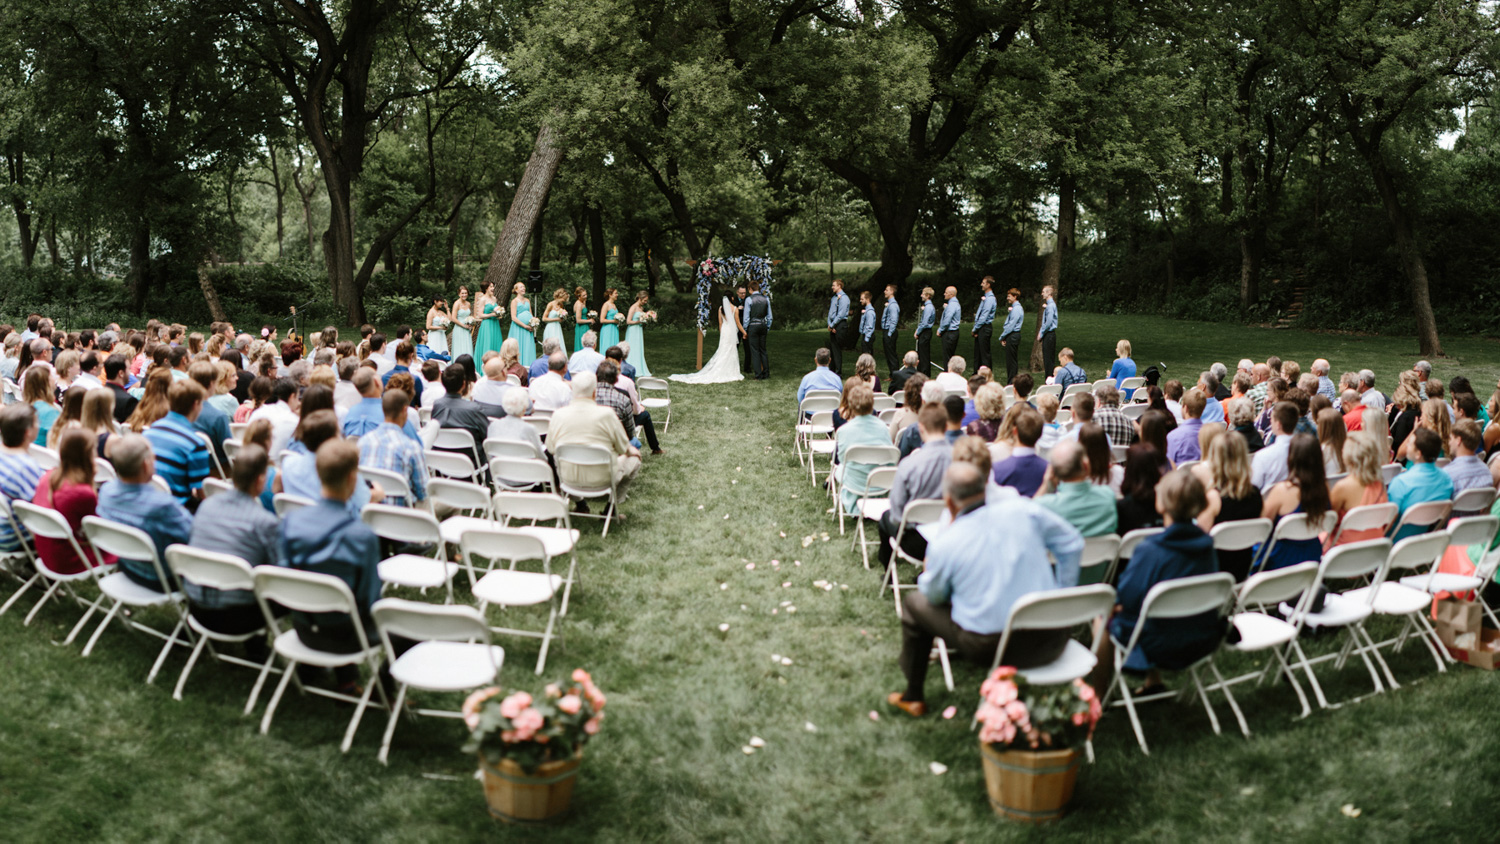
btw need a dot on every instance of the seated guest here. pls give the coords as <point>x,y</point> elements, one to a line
<point>864,370</point>
<point>1182,442</point>
<point>491,389</point>
<point>1023,384</point>
<point>383,363</point>
<point>977,382</point>
<point>116,376</point>
<point>345,394</point>
<point>1123,368</point>
<point>1083,414</point>
<point>863,428</point>
<point>133,500</point>
<point>1269,466</point>
<point>282,411</point>
<point>1213,409</point>
<point>299,468</point>
<point>1182,550</point>
<point>328,539</point>
<point>1103,470</point>
<point>1362,486</point>
<point>69,489</point>
<point>911,438</point>
<point>1303,402</point>
<point>584,422</point>
<point>1304,491</point>
<point>1424,481</point>
<point>1331,436</point>
<point>627,369</point>
<point>539,367</point>
<point>1069,373</point>
<point>455,410</point>
<point>1230,495</point>
<point>1241,415</point>
<point>1107,415</point>
<point>550,391</point>
<point>512,426</point>
<point>954,407</point>
<point>369,413</point>
<point>989,407</point>
<point>906,411</point>
<point>235,523</point>
<point>918,476</point>
<point>954,379</point>
<point>426,352</point>
<point>1048,406</point>
<point>606,394</point>
<point>821,378</point>
<point>626,383</point>
<point>1352,410</point>
<point>587,358</point>
<point>405,353</point>
<point>389,448</point>
<point>977,568</point>
<point>19,471</point>
<point>182,458</point>
<point>510,360</point>
<point>212,418</point>
<point>909,365</point>
<point>1023,470</point>
<point>1084,505</point>
<point>1464,469</point>
<point>1136,507</point>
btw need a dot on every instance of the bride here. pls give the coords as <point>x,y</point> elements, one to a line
<point>724,366</point>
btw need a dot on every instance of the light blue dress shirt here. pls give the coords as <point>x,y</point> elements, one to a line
<point>928,317</point>
<point>1049,317</point>
<point>838,308</point>
<point>867,322</point>
<point>1422,482</point>
<point>989,558</point>
<point>952,315</point>
<point>1013,319</point>
<point>821,378</point>
<point>891,316</point>
<point>986,313</point>
<point>1213,411</point>
<point>1468,472</point>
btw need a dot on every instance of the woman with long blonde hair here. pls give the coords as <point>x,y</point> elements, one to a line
<point>38,392</point>
<point>153,404</point>
<point>522,325</point>
<point>1363,484</point>
<point>1435,419</point>
<point>72,413</point>
<point>510,361</point>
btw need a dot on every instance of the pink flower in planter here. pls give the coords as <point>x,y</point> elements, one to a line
<point>591,726</point>
<point>527,722</point>
<point>581,676</point>
<point>1016,711</point>
<point>1078,719</point>
<point>552,690</point>
<point>472,703</point>
<point>512,706</point>
<point>570,704</point>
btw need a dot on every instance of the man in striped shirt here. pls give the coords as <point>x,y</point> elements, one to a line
<point>19,473</point>
<point>181,454</point>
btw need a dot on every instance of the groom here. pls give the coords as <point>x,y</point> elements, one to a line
<point>757,323</point>
<point>737,300</point>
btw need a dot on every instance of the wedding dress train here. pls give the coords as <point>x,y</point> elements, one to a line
<point>724,366</point>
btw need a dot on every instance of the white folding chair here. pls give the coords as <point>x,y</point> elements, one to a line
<point>519,474</point>
<point>310,592</point>
<point>1047,390</point>
<point>600,459</point>
<point>461,439</point>
<point>1389,471</point>
<point>1241,534</point>
<point>888,415</point>
<point>804,428</point>
<point>411,527</point>
<point>1473,502</point>
<point>874,501</point>
<point>104,472</point>
<point>1066,403</point>
<point>1132,383</point>
<point>1261,631</point>
<point>513,379</point>
<point>161,483</point>
<point>540,424</point>
<point>1075,389</point>
<point>1177,598</point>
<point>884,402</point>
<point>538,413</point>
<point>663,402</point>
<point>46,522</point>
<point>213,455</point>
<point>1392,598</point>
<point>428,432</point>
<point>820,441</point>
<point>1291,528</point>
<point>214,486</point>
<point>1344,562</point>
<point>512,587</point>
<point>226,572</point>
<point>129,543</point>
<point>395,485</point>
<point>872,456</point>
<point>465,499</point>
<point>45,457</point>
<point>285,502</point>
<point>1128,544</point>
<point>919,512</point>
<point>559,539</point>
<point>232,449</point>
<point>1099,552</point>
<point>452,654</point>
<point>502,447</point>
<point>448,464</point>
<point>1117,453</point>
<point>237,430</point>
<point>1427,515</point>
<point>1187,464</point>
<point>1366,517</point>
<point>1462,533</point>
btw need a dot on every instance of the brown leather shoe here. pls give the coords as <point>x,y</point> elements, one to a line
<point>914,708</point>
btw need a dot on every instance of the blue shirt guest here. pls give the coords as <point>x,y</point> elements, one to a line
<point>1467,471</point>
<point>1124,367</point>
<point>1069,373</point>
<point>368,414</point>
<point>299,469</point>
<point>1423,482</point>
<point>977,568</point>
<point>211,420</point>
<point>1182,441</point>
<point>919,475</point>
<point>133,500</point>
<point>821,378</point>
<point>182,457</point>
<point>388,448</point>
<point>1181,550</point>
<point>235,523</point>
<point>19,471</point>
<point>1024,470</point>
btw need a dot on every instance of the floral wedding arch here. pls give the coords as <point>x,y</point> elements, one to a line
<point>729,272</point>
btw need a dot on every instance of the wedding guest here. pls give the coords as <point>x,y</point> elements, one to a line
<point>1465,470</point>
<point>369,413</point>
<point>1241,414</point>
<point>908,368</point>
<point>863,428</point>
<point>1269,466</point>
<point>1331,435</point>
<point>455,410</point>
<point>1048,406</point>
<point>388,447</point>
<point>1023,470</point>
<point>1182,442</point>
<point>491,389</point>
<point>821,378</point>
<point>1107,415</point>
<point>551,391</point>
<point>1103,471</point>
<point>906,412</point>
<point>182,457</point>
<point>234,522</point>
<point>626,384</point>
<point>135,501</point>
<point>540,366</point>
<point>117,375</point>
<point>1362,486</point>
<point>299,468</point>
<point>917,477</point>
<point>211,419</point>
<point>69,489</point>
<point>1230,496</point>
<point>40,394</point>
<point>282,411</point>
<point>1423,482</point>
<point>1087,507</point>
<point>98,420</point>
<point>19,471</point>
<point>1136,507</point>
<point>587,358</point>
<point>953,379</point>
<point>584,422</point>
<point>989,405</point>
<point>70,417</point>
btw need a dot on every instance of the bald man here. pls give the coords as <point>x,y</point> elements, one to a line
<point>947,329</point>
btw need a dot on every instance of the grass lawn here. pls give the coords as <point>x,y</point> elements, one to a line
<point>88,751</point>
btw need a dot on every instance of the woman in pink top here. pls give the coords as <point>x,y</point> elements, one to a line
<point>1361,486</point>
<point>69,489</point>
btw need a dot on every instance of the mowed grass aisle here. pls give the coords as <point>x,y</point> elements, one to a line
<point>88,751</point>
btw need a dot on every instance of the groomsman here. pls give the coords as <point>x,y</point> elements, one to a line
<point>984,324</point>
<point>948,327</point>
<point>838,325</point>
<point>739,300</point>
<point>1047,330</point>
<point>866,325</point>
<point>926,318</point>
<point>1010,333</point>
<point>888,322</point>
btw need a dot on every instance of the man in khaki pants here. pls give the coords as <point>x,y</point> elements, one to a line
<point>582,422</point>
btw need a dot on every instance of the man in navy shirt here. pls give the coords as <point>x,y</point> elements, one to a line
<point>838,326</point>
<point>1024,469</point>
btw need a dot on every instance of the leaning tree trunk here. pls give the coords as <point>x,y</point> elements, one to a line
<point>1067,225</point>
<point>211,294</point>
<point>1411,256</point>
<point>525,207</point>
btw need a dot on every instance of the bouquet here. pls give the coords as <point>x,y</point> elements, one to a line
<point>1017,715</point>
<point>532,731</point>
<point>646,316</point>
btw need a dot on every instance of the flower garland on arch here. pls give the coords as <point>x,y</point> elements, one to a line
<point>729,271</point>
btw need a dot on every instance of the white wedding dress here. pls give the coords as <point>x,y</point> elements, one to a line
<point>724,366</point>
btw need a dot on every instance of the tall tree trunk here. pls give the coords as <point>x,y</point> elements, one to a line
<point>578,234</point>
<point>537,230</point>
<point>139,275</point>
<point>1067,226</point>
<point>1226,184</point>
<point>596,253</point>
<point>280,190</point>
<point>1411,255</point>
<point>17,166</point>
<point>525,207</point>
<point>895,206</point>
<point>211,294</point>
<point>51,239</point>
<point>1252,252</point>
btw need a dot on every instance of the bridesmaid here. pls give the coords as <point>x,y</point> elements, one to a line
<point>437,326</point>
<point>635,335</point>
<point>463,339</point>
<point>522,324</point>
<point>553,315</point>
<point>491,337</point>
<point>581,321</point>
<point>610,317</point>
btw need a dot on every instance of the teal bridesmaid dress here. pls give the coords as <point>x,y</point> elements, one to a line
<point>609,335</point>
<point>491,336</point>
<point>520,331</point>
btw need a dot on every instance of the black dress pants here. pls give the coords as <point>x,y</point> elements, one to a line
<point>1012,355</point>
<point>836,340</point>
<point>1049,352</point>
<point>760,363</point>
<point>892,341</point>
<point>950,347</point>
<point>924,352</point>
<point>982,354</point>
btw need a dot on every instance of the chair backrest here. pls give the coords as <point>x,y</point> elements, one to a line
<point>125,541</point>
<point>520,472</point>
<point>1117,453</point>
<point>423,622</point>
<point>880,481</point>
<point>1477,500</point>
<point>650,383</point>
<point>1335,478</point>
<point>872,455</point>
<point>1389,471</point>
<point>1099,550</point>
<point>308,592</point>
<point>1241,534</point>
<point>44,457</point>
<point>394,485</point>
<point>1047,390</point>
<point>460,495</point>
<point>536,506</point>
<point>584,455</point>
<point>1269,588</point>
<point>424,415</point>
<point>42,521</point>
<point>540,424</point>
<point>448,463</point>
<point>1061,608</point>
<point>8,516</point>
<point>214,486</point>
<point>500,543</point>
<point>923,511</point>
<point>161,483</point>
<point>1068,399</point>
<point>502,447</point>
<point>1064,416</point>
<point>513,379</point>
<point>237,430</point>
<point>823,393</point>
<point>454,438</point>
<point>104,471</point>
<point>285,502</point>
<point>402,524</point>
<point>884,402</point>
<point>1473,530</point>
<point>1355,559</point>
<point>1441,462</point>
<point>1135,382</point>
<point>823,418</point>
<point>1369,517</point>
<point>888,414</point>
<point>1131,539</point>
<point>1423,515</point>
<point>1075,389</point>
<point>1297,526</point>
<point>232,449</point>
<point>815,403</point>
<point>429,433</point>
<point>1186,596</point>
<point>210,569</point>
<point>1418,551</point>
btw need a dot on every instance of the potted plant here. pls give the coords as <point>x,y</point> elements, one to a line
<point>1028,740</point>
<point>530,748</point>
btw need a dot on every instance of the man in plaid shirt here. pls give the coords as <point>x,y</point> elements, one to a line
<point>1117,426</point>
<point>614,398</point>
<point>389,448</point>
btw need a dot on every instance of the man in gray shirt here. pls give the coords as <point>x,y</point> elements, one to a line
<point>919,476</point>
<point>234,522</point>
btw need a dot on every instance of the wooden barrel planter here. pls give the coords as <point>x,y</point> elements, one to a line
<point>1029,786</point>
<point>515,796</point>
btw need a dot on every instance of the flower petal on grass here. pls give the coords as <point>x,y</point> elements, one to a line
<point>948,715</point>
<point>791,609</point>
<point>1349,810</point>
<point>723,628</point>
<point>937,768</point>
<point>749,567</point>
<point>757,741</point>
<point>874,716</point>
<point>747,750</point>
<point>810,727</point>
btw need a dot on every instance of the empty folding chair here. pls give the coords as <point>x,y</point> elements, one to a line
<point>129,543</point>
<point>1181,597</point>
<point>452,654</point>
<point>519,474</point>
<point>805,429</point>
<point>874,501</point>
<point>285,502</point>
<point>820,441</point>
<point>1133,383</point>
<point>920,512</point>
<point>1369,520</point>
<point>1473,502</point>
<point>1075,389</point>
<point>448,464</point>
<point>560,539</point>
<point>462,497</point>
<point>512,587</point>
<point>46,522</point>
<point>411,527</point>
<point>1463,533</point>
<point>1128,544</point>
<point>310,592</point>
<point>1421,517</point>
<point>224,572</point>
<point>1345,562</point>
<point>648,387</point>
<point>1294,527</point>
<point>602,461</point>
<point>1099,552</point>
<point>1392,598</point>
<point>872,456</point>
<point>1259,630</point>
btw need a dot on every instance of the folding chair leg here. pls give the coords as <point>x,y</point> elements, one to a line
<point>188,669</point>
<point>287,673</point>
<point>25,587</point>
<point>1434,644</point>
<point>1312,678</point>
<point>161,658</point>
<point>541,659</point>
<point>87,614</point>
<point>359,712</point>
<point>1229,696</point>
<point>46,596</point>
<point>390,727</point>
<point>1128,701</point>
<point>260,681</point>
<point>1213,717</point>
<point>609,514</point>
<point>568,584</point>
<point>1292,677</point>
<point>1354,631</point>
<point>942,647</point>
<point>99,631</point>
